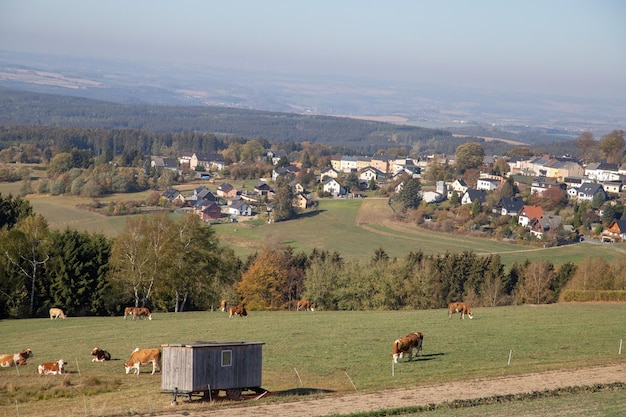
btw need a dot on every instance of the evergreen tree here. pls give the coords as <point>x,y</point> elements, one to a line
<point>411,194</point>
<point>284,208</point>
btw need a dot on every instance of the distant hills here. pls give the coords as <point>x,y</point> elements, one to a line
<point>428,106</point>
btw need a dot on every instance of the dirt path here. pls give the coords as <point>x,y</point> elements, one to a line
<point>416,396</point>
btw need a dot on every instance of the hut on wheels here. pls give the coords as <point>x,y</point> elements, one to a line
<point>205,368</point>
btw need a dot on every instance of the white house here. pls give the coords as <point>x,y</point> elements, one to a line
<point>333,187</point>
<point>370,173</point>
<point>487,184</point>
<point>602,171</point>
<point>589,190</point>
<point>328,172</point>
<point>239,208</point>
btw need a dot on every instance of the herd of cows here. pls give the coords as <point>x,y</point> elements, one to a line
<point>138,356</point>
<point>401,346</point>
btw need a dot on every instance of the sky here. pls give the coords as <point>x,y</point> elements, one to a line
<point>563,47</point>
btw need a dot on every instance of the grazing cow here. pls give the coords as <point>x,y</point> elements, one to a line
<point>14,359</point>
<point>142,312</point>
<point>100,355</point>
<point>459,308</point>
<point>305,305</point>
<point>55,313</point>
<point>223,306</point>
<point>238,311</point>
<point>401,346</point>
<point>417,339</point>
<point>143,357</point>
<point>52,368</point>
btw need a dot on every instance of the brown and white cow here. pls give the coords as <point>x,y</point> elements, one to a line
<point>15,359</point>
<point>143,357</point>
<point>100,355</point>
<point>223,306</point>
<point>459,307</point>
<point>55,313</point>
<point>401,346</point>
<point>305,305</point>
<point>52,368</point>
<point>238,311</point>
<point>142,312</point>
<point>417,338</point>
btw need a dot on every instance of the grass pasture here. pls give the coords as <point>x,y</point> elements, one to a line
<point>319,350</point>
<point>355,228</point>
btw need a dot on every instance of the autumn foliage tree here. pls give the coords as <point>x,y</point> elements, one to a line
<point>263,285</point>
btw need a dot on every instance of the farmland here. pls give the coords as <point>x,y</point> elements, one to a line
<point>354,228</point>
<point>354,352</point>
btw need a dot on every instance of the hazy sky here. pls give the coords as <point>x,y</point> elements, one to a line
<point>568,47</point>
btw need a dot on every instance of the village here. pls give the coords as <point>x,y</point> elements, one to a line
<point>535,191</point>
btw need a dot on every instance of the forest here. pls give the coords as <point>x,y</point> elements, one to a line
<point>361,136</point>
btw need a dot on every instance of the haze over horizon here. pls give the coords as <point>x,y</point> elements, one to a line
<point>559,47</point>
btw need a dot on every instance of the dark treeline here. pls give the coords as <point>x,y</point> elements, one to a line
<point>113,141</point>
<point>24,108</point>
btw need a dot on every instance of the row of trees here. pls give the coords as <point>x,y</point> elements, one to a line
<point>276,277</point>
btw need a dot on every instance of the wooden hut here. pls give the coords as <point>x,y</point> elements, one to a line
<point>208,367</point>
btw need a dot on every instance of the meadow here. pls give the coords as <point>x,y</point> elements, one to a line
<point>321,351</point>
<point>355,228</point>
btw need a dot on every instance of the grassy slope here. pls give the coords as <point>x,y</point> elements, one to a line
<point>354,344</point>
<point>354,228</point>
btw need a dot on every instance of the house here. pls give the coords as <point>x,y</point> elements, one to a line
<point>207,210</point>
<point>602,171</point>
<point>407,166</point>
<point>203,193</point>
<point>262,188</point>
<point>275,156</point>
<point>290,170</point>
<point>460,186</point>
<point>328,172</point>
<point>487,184</point>
<point>239,208</point>
<point>173,195</point>
<point>508,206</point>
<point>616,232</point>
<point>363,162</point>
<point>301,201</point>
<point>225,190</point>
<point>528,213</point>
<point>588,190</point>
<point>613,187</point>
<point>332,187</point>
<point>370,173</point>
<point>472,195</point>
<point>185,159</point>
<point>432,197</point>
<point>348,163</point>
<point>382,162</point>
<point>208,161</point>
<point>541,184</point>
<point>164,163</point>
<point>544,224</point>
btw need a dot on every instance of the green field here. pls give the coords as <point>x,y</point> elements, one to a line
<point>305,350</point>
<point>337,225</point>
